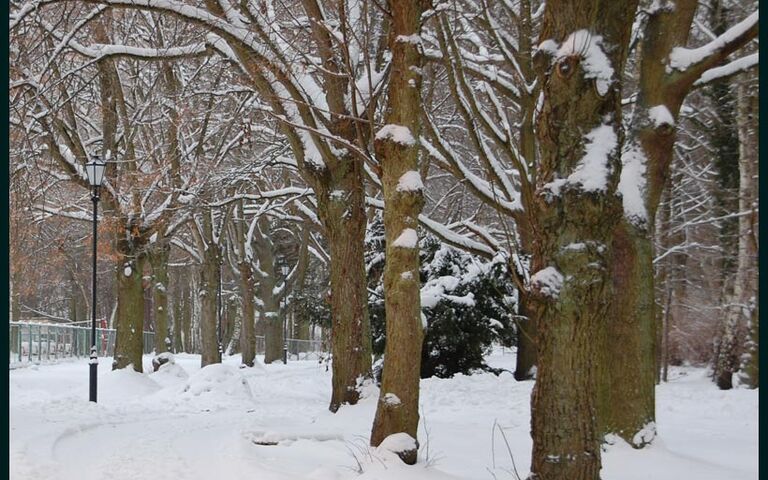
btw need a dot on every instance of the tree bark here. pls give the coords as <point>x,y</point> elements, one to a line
<point>207,292</point>
<point>573,228</point>
<point>270,304</point>
<point>746,277</point>
<point>247,336</point>
<point>627,394</point>
<point>158,260</point>
<point>343,215</point>
<point>741,318</point>
<point>398,407</point>
<point>129,344</point>
<point>652,141</point>
<point>525,363</point>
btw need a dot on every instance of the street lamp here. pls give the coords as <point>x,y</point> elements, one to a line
<point>285,271</point>
<point>95,171</point>
<point>219,305</point>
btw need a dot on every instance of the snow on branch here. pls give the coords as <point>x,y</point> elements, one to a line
<point>445,234</point>
<point>682,58</point>
<point>737,66</point>
<point>693,63</point>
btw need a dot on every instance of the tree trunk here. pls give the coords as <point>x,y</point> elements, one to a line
<point>129,344</point>
<point>186,317</point>
<point>741,320</point>
<point>270,314</point>
<point>525,366</point>
<point>158,259</point>
<point>247,337</point>
<point>398,407</point>
<point>665,337</point>
<point>577,210</point>
<point>207,292</point>
<point>16,297</point>
<point>746,277</point>
<point>627,400</point>
<point>344,217</point>
<point>178,339</point>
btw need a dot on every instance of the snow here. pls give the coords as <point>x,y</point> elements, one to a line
<point>410,181</point>
<point>632,184</point>
<point>413,39</point>
<point>591,173</point>
<point>408,238</point>
<point>681,58</point>
<point>660,116</point>
<point>736,66</point>
<point>645,435</point>
<point>589,47</point>
<point>398,442</point>
<point>548,281</point>
<point>147,426</point>
<point>391,399</point>
<point>397,133</point>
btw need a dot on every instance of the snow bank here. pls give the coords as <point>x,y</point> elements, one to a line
<point>218,380</point>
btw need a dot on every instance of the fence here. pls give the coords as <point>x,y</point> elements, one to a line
<point>297,349</point>
<point>38,342</point>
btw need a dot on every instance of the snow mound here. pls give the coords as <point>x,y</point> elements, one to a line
<point>218,379</point>
<point>288,437</point>
<point>125,383</point>
<point>170,374</point>
<point>397,443</point>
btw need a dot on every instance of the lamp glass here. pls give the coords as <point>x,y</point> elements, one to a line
<point>95,170</point>
<point>285,270</point>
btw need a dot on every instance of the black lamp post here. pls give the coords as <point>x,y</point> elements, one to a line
<point>95,170</point>
<point>285,271</point>
<point>219,306</point>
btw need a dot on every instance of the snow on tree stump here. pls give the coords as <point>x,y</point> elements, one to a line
<point>162,359</point>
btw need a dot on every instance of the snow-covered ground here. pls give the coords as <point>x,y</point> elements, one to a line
<point>271,422</point>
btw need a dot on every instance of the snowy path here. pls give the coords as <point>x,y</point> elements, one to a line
<point>186,423</point>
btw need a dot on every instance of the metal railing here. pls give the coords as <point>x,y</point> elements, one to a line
<point>43,342</point>
<point>39,342</point>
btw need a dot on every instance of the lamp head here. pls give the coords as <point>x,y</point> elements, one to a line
<point>95,170</point>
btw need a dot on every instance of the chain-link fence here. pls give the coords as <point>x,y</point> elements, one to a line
<point>42,342</point>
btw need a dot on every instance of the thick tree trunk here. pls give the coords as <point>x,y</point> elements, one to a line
<point>129,344</point>
<point>577,210</point>
<point>627,401</point>
<point>398,407</point>
<point>343,214</point>
<point>158,259</point>
<point>270,314</point>
<point>247,336</point>
<point>207,292</point>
